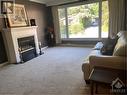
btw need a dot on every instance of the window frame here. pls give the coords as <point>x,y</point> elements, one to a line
<point>99,26</point>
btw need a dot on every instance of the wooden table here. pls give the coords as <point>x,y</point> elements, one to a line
<point>104,75</point>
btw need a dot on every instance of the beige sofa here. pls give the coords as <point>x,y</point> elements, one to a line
<point>117,60</point>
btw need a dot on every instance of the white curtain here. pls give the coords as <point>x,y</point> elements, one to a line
<point>126,14</point>
<point>116,16</point>
<point>56,24</point>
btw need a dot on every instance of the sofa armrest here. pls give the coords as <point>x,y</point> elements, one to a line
<point>108,61</point>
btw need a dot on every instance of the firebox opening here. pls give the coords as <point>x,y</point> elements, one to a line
<point>27,48</point>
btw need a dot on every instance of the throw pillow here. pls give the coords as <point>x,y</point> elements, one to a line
<point>98,46</point>
<point>121,47</point>
<point>108,46</point>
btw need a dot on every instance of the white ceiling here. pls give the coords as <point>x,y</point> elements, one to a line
<point>52,2</point>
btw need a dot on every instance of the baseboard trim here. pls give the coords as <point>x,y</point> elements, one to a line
<point>78,45</point>
<point>3,64</point>
<point>43,48</point>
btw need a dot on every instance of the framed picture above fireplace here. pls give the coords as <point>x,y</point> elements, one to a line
<point>18,18</point>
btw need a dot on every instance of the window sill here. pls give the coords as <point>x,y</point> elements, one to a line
<point>82,39</point>
<point>89,41</point>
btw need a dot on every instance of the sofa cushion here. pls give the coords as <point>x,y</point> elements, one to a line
<point>121,46</point>
<point>108,61</point>
<point>98,46</point>
<point>93,52</point>
<point>95,58</point>
<point>121,51</point>
<point>108,46</point>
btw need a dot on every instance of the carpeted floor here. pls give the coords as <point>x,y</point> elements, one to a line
<point>57,72</point>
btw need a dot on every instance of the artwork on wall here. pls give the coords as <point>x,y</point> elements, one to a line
<point>7,7</point>
<point>19,17</point>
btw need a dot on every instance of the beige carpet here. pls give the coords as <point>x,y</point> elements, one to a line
<point>57,72</point>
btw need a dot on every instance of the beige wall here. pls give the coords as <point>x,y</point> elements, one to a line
<point>38,12</point>
<point>34,11</point>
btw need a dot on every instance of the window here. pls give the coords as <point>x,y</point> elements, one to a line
<point>105,19</point>
<point>84,21</point>
<point>62,23</point>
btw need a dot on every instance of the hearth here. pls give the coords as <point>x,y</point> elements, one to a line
<point>27,48</point>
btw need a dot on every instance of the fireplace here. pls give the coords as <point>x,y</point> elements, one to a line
<point>27,48</point>
<point>21,41</point>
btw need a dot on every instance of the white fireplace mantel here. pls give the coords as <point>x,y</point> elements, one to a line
<point>11,36</point>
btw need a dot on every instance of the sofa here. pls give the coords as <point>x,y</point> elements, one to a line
<point>116,61</point>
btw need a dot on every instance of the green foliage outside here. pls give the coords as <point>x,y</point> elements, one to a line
<point>75,28</point>
<point>83,16</point>
<point>62,29</point>
<point>61,23</point>
<point>85,13</point>
<point>105,17</point>
<point>86,22</point>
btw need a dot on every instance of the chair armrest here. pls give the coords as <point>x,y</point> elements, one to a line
<point>108,61</point>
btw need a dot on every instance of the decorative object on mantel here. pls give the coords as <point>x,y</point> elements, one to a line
<point>32,22</point>
<point>18,18</point>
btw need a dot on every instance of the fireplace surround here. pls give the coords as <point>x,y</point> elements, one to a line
<point>11,39</point>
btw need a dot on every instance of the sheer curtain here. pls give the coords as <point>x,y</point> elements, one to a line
<point>126,14</point>
<point>116,16</point>
<point>56,24</point>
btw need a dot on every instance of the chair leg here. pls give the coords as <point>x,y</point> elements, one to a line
<point>96,89</point>
<point>92,87</point>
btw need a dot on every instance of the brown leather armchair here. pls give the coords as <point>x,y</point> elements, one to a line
<point>117,60</point>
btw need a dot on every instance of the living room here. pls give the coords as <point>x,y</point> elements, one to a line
<point>52,47</point>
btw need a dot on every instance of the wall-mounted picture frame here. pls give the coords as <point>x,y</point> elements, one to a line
<point>7,7</point>
<point>18,18</point>
<point>32,22</point>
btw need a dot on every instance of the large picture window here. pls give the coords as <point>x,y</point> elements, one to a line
<point>84,21</point>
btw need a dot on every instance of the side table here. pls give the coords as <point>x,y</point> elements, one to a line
<point>106,76</point>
